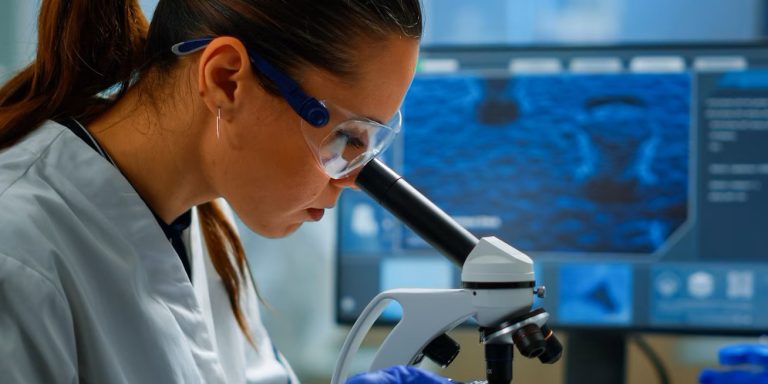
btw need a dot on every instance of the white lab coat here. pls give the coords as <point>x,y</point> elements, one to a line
<point>92,291</point>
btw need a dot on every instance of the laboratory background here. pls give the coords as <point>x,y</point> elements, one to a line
<point>622,144</point>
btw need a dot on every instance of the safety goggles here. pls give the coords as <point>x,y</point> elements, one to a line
<point>353,141</point>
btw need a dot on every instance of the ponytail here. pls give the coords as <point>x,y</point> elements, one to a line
<point>83,47</point>
<point>222,241</point>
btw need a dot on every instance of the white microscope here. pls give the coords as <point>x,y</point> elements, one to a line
<point>497,291</point>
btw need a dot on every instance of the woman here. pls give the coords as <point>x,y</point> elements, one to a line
<point>116,262</point>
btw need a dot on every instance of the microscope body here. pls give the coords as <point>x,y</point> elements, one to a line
<point>498,288</point>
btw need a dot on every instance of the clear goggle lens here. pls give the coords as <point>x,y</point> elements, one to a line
<point>353,143</point>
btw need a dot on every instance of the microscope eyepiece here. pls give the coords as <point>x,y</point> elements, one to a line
<point>420,214</point>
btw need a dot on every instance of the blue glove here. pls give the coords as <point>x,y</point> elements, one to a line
<point>399,374</point>
<point>750,362</point>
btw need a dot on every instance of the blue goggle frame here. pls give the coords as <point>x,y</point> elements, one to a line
<point>309,108</point>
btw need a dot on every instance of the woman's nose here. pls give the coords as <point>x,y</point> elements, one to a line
<point>347,181</point>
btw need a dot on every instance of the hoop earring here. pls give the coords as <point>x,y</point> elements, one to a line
<point>218,121</point>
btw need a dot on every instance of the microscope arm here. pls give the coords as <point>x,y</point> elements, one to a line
<point>445,309</point>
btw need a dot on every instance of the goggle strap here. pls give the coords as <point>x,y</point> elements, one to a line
<point>309,108</point>
<point>190,46</point>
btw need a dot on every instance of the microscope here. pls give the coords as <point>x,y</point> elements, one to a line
<point>497,291</point>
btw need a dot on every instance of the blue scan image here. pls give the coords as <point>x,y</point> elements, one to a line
<point>595,294</point>
<point>559,163</point>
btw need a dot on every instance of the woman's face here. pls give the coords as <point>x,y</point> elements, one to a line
<point>266,167</point>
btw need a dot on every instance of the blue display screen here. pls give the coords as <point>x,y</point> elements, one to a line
<point>559,163</point>
<point>640,194</point>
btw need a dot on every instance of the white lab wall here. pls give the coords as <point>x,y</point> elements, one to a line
<point>590,21</point>
<point>148,6</point>
<point>18,35</point>
<point>503,21</point>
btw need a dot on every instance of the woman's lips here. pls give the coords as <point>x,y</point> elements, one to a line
<point>316,214</point>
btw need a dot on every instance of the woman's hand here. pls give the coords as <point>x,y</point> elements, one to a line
<point>399,374</point>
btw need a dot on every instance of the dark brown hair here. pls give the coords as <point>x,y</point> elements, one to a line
<point>85,47</point>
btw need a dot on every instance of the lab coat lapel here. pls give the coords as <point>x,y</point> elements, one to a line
<point>230,344</point>
<point>194,240</point>
<point>119,203</point>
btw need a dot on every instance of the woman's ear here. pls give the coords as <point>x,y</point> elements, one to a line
<point>223,69</point>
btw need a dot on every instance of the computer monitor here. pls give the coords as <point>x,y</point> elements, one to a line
<point>636,177</point>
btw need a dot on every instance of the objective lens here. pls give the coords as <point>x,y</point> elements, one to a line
<point>554,349</point>
<point>530,341</point>
<point>498,363</point>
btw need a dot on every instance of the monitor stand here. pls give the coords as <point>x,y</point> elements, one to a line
<point>595,357</point>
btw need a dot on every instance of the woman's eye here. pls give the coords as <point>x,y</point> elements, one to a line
<point>352,139</point>
<point>357,143</point>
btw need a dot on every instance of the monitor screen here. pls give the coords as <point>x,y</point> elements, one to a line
<point>636,177</point>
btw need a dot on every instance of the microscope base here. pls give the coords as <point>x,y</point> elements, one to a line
<point>595,357</point>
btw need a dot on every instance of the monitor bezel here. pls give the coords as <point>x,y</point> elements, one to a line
<point>566,50</point>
